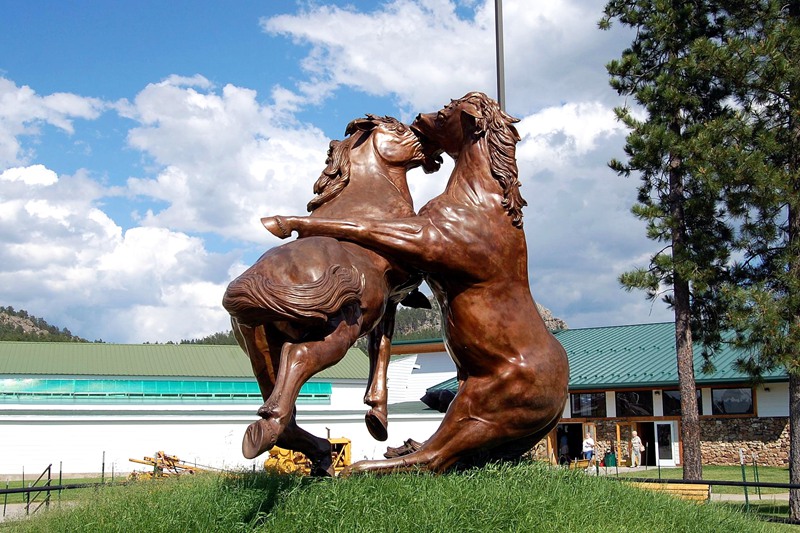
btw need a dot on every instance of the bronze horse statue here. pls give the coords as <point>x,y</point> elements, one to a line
<point>301,306</point>
<point>469,241</point>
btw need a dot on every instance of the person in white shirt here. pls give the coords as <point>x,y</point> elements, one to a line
<point>636,450</point>
<point>588,447</point>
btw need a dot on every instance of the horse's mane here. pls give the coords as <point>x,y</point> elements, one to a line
<point>502,138</point>
<point>336,175</point>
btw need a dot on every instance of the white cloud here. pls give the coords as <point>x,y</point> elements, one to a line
<point>22,112</point>
<point>32,175</point>
<point>422,53</point>
<point>226,159</point>
<point>65,256</point>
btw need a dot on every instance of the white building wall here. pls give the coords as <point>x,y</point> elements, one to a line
<point>430,369</point>
<point>398,377</point>
<point>772,402</point>
<point>78,437</point>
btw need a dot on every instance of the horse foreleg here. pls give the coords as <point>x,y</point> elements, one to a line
<point>317,449</point>
<point>380,351</point>
<point>415,241</point>
<point>299,362</point>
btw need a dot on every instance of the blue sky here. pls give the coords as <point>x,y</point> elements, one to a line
<point>140,142</point>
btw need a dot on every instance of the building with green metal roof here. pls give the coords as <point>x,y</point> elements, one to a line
<point>76,403</point>
<point>200,398</point>
<point>624,379</point>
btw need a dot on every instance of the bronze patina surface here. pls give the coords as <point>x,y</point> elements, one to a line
<point>470,244</point>
<point>299,308</point>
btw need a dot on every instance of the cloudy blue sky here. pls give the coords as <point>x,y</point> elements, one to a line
<point>140,143</point>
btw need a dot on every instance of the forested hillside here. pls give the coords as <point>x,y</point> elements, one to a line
<point>20,326</point>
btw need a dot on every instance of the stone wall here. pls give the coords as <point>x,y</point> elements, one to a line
<point>768,438</point>
<point>720,442</point>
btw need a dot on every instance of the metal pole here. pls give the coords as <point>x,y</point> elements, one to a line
<point>498,26</point>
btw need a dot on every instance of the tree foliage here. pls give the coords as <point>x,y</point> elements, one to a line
<point>666,71</point>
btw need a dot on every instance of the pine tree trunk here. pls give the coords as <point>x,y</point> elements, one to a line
<point>690,420</point>
<point>794,445</point>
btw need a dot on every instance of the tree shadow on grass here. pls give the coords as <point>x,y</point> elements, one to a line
<point>265,490</point>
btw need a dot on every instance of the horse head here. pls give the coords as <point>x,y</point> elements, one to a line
<point>391,141</point>
<point>395,143</point>
<point>475,118</point>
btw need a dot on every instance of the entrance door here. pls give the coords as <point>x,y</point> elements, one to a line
<point>666,443</point>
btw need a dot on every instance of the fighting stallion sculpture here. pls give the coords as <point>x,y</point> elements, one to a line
<point>299,308</point>
<point>469,241</point>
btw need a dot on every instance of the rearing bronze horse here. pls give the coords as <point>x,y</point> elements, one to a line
<point>469,241</point>
<point>299,308</point>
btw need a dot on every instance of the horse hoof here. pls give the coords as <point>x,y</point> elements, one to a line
<point>377,425</point>
<point>258,438</point>
<point>274,226</point>
<point>323,469</point>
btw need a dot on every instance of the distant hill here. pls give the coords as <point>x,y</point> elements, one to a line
<point>20,326</point>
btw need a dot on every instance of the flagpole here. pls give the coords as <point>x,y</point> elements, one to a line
<point>498,25</point>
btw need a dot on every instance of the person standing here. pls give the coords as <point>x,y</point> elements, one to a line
<point>636,450</point>
<point>588,447</point>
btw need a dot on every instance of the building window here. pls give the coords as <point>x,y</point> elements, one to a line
<point>588,404</point>
<point>732,401</point>
<point>671,401</point>
<point>634,403</point>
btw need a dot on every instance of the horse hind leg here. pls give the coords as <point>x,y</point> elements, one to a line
<point>262,346</point>
<point>380,351</point>
<point>299,362</point>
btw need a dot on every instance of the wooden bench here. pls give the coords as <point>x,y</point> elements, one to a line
<point>579,464</point>
<point>699,492</point>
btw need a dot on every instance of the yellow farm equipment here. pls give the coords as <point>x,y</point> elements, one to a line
<point>163,465</point>
<point>290,461</point>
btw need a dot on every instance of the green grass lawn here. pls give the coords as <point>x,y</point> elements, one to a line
<point>524,498</point>
<point>766,474</point>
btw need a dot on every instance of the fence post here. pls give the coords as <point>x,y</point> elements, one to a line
<point>103,469</point>
<point>744,479</point>
<point>49,484</point>
<point>755,473</point>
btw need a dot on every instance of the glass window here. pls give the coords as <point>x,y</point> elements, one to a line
<point>732,401</point>
<point>671,401</point>
<point>634,403</point>
<point>588,404</point>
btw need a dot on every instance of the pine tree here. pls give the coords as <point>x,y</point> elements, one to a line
<point>755,157</point>
<point>667,73</point>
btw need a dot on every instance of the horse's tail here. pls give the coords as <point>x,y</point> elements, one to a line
<point>252,297</point>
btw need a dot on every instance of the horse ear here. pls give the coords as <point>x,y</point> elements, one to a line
<point>473,120</point>
<point>361,124</point>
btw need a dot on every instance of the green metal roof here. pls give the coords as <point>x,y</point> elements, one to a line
<point>641,356</point>
<point>618,357</point>
<point>147,360</point>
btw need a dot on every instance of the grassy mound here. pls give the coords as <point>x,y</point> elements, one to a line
<point>526,497</point>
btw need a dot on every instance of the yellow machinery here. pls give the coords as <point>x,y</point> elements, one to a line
<point>163,465</point>
<point>289,461</point>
